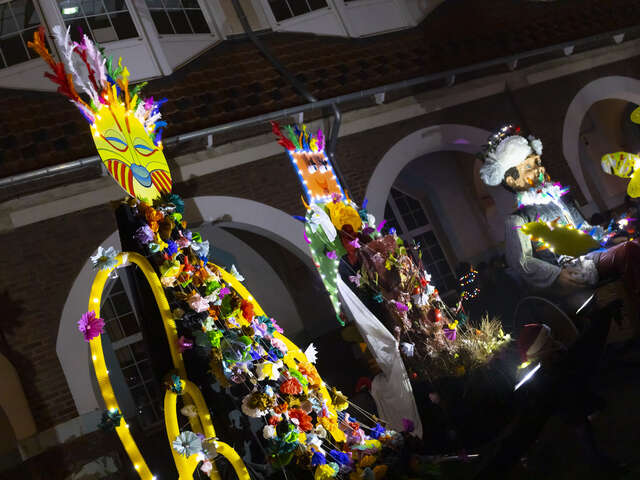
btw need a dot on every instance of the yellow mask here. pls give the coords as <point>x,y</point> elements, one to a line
<point>129,154</point>
<point>624,165</point>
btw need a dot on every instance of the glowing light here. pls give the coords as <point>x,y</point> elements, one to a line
<point>527,377</point>
<point>94,357</point>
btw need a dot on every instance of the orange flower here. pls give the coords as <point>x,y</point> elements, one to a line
<point>154,226</point>
<point>304,420</point>
<point>281,408</point>
<point>311,373</point>
<point>291,387</point>
<point>247,310</point>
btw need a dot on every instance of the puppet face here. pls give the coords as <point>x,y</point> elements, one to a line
<point>624,165</point>
<point>317,174</point>
<point>530,173</point>
<point>129,154</point>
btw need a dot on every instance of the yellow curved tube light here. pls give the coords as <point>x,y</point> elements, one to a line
<point>186,466</point>
<point>203,424</point>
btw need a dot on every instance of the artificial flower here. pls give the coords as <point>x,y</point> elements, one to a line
<point>170,268</point>
<point>144,235</point>
<point>342,214</point>
<point>187,444</point>
<point>208,324</point>
<point>189,411</point>
<point>206,466</point>
<point>279,344</point>
<point>318,458</point>
<point>320,431</point>
<point>355,279</point>
<point>376,431</point>
<point>304,420</point>
<point>172,248</point>
<point>407,349</point>
<point>104,259</point>
<point>90,325</point>
<point>174,384</point>
<point>247,310</point>
<point>401,307</point>
<point>355,243</point>
<point>269,431</point>
<point>201,249</point>
<point>250,407</point>
<point>340,401</point>
<point>450,334</point>
<point>110,420</point>
<point>311,353</point>
<point>197,303</point>
<point>184,344</point>
<point>291,387</point>
<point>224,291</point>
<point>324,472</point>
<point>332,255</point>
<point>340,457</point>
<point>318,218</point>
<point>177,202</point>
<point>311,373</point>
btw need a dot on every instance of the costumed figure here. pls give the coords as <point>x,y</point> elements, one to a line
<point>548,243</point>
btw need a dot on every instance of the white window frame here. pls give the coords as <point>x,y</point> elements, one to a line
<point>130,340</point>
<point>311,15</point>
<point>409,235</point>
<point>18,67</point>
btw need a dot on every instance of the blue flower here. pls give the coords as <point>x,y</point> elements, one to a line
<point>201,249</point>
<point>377,431</point>
<point>340,457</point>
<point>318,459</point>
<point>104,259</point>
<point>172,248</point>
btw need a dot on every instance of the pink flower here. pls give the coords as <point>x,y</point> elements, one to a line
<point>332,255</point>
<point>197,303</point>
<point>355,243</point>
<point>184,344</point>
<point>206,466</point>
<point>223,291</point>
<point>401,307</point>
<point>90,325</point>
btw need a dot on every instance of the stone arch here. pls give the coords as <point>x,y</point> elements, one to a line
<point>612,87</point>
<point>257,217</point>
<point>14,403</point>
<point>437,138</point>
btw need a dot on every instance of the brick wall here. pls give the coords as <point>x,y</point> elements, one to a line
<point>41,261</point>
<point>39,264</point>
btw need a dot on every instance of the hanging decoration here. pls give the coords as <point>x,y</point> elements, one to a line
<point>468,285</point>
<point>126,129</point>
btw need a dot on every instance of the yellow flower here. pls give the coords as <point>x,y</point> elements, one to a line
<point>324,472</point>
<point>342,214</point>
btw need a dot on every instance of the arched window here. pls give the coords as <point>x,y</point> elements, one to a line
<point>128,360</point>
<point>408,217</point>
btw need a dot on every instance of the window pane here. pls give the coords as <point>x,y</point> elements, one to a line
<point>25,13</point>
<point>179,20</point>
<point>161,20</point>
<point>131,375</point>
<point>121,303</point>
<point>129,324</point>
<point>91,7</point>
<point>125,358</point>
<point>198,21</point>
<point>280,9</point>
<point>7,24</point>
<point>172,4</point>
<point>299,7</point>
<point>316,4</point>
<point>13,50</point>
<point>190,4</point>
<point>139,396</point>
<point>124,26</point>
<point>139,351</point>
<point>115,5</point>
<point>145,370</point>
<point>103,32</point>
<point>113,330</point>
<point>106,311</point>
<point>146,416</point>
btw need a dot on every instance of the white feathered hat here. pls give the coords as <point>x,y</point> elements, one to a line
<point>504,152</point>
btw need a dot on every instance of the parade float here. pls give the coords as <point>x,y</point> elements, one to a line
<point>223,347</point>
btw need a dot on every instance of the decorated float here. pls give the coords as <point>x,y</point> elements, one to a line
<point>223,347</point>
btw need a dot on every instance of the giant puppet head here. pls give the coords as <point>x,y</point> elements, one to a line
<point>625,164</point>
<point>126,128</point>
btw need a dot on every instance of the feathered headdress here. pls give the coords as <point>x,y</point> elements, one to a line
<point>504,150</point>
<point>106,84</point>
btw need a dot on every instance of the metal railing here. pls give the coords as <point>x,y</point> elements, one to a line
<point>595,40</point>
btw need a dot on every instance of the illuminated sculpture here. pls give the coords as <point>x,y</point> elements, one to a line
<point>306,424</point>
<point>624,164</point>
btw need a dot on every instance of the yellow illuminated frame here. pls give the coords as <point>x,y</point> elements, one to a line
<point>203,423</point>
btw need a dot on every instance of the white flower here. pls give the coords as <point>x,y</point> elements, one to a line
<point>104,259</point>
<point>201,249</point>
<point>421,299</point>
<point>251,412</point>
<point>269,431</point>
<point>536,144</point>
<point>319,218</point>
<point>187,444</point>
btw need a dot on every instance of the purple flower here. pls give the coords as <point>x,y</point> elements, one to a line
<point>90,325</point>
<point>340,457</point>
<point>401,307</point>
<point>184,344</point>
<point>223,292</point>
<point>355,243</point>
<point>332,255</point>
<point>144,235</point>
<point>407,425</point>
<point>450,334</point>
<point>172,248</point>
<point>355,279</point>
<point>368,230</point>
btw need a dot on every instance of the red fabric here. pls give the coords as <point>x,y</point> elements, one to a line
<point>622,261</point>
<point>527,336</point>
